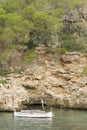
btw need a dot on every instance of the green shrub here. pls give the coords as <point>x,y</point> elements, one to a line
<point>84,71</point>
<point>56,50</point>
<point>85,49</point>
<point>4,72</point>
<point>3,82</point>
<point>30,56</point>
<point>4,54</point>
<point>69,42</point>
<point>14,46</point>
<point>18,47</point>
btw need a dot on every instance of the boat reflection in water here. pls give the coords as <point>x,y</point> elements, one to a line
<point>34,123</point>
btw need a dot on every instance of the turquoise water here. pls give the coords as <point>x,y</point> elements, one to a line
<point>62,120</point>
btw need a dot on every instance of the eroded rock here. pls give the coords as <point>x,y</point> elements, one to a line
<point>60,84</point>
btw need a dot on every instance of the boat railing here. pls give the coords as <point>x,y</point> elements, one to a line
<point>32,111</point>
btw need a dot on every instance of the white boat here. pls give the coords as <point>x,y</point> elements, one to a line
<point>33,114</point>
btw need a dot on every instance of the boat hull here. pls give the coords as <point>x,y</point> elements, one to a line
<point>34,115</point>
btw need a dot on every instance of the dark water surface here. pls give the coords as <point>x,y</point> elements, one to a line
<point>62,120</point>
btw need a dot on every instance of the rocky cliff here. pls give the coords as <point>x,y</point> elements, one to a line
<point>58,81</point>
<point>75,22</point>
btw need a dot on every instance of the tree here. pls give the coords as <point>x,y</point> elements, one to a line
<point>22,21</point>
<point>44,18</point>
<point>13,28</point>
<point>12,6</point>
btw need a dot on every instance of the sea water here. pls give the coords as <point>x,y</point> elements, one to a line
<point>63,119</point>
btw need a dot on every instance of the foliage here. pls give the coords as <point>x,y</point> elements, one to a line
<point>71,4</point>
<point>70,43</point>
<point>20,18</point>
<point>44,21</point>
<point>56,50</point>
<point>4,72</point>
<point>85,71</point>
<point>4,54</point>
<point>13,28</point>
<point>85,49</point>
<point>30,56</point>
<point>2,81</point>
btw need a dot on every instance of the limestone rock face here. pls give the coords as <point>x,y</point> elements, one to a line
<point>58,83</point>
<point>75,21</point>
